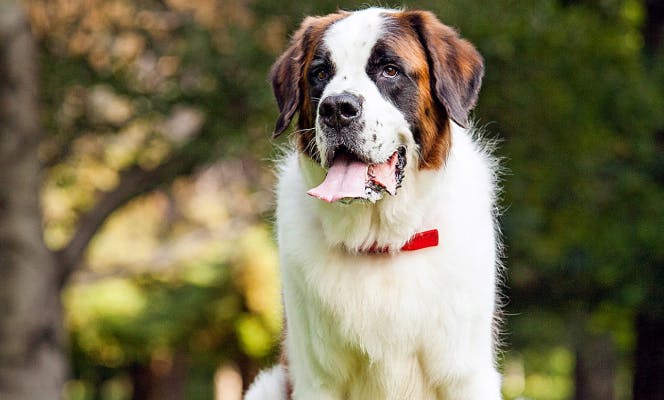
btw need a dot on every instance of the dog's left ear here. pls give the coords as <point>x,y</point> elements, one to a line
<point>457,68</point>
<point>286,74</point>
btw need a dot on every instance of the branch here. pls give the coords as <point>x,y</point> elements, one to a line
<point>168,255</point>
<point>133,183</point>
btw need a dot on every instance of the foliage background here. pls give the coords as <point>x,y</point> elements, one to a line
<point>179,290</point>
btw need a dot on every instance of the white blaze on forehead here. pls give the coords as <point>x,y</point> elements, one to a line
<point>351,40</point>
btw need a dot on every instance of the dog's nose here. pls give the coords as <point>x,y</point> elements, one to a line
<point>340,110</point>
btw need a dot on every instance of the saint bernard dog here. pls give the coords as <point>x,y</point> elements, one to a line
<point>386,226</point>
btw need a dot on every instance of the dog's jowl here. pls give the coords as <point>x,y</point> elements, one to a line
<point>385,214</point>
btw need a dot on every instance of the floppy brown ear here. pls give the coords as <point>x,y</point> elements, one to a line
<point>286,74</point>
<point>456,67</point>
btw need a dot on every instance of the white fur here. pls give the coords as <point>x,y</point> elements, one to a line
<point>350,42</point>
<point>402,325</point>
<point>269,385</point>
<point>410,325</point>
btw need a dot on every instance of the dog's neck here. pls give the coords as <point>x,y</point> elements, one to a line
<point>361,226</point>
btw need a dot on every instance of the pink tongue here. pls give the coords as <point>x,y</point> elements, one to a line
<point>348,178</point>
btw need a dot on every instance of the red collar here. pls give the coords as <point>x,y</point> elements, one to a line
<point>420,240</point>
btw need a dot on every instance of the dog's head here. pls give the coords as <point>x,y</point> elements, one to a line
<point>375,87</point>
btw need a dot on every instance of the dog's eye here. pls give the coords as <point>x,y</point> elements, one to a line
<point>390,71</point>
<point>321,74</point>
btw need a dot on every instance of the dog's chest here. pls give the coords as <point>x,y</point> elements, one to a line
<point>370,353</point>
<point>370,317</point>
<point>398,378</point>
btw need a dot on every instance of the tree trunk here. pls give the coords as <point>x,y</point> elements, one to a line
<point>649,358</point>
<point>648,383</point>
<point>163,378</point>
<point>653,29</point>
<point>32,363</point>
<point>596,363</point>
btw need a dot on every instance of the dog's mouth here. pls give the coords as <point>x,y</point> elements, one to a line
<point>351,178</point>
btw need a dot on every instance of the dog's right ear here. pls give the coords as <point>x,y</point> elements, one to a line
<point>286,75</point>
<point>456,66</point>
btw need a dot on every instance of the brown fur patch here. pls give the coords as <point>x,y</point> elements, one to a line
<point>432,128</point>
<point>289,81</point>
<point>456,66</point>
<point>448,85</point>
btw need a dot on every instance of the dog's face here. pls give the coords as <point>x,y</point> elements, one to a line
<point>376,85</point>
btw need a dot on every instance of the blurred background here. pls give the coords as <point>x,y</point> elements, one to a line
<point>137,258</point>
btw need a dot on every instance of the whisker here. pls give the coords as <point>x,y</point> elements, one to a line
<point>304,130</point>
<point>311,148</point>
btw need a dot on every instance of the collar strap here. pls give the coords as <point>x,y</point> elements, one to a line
<point>420,240</point>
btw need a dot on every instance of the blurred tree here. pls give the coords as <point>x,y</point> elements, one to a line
<point>32,361</point>
<point>135,94</point>
<point>155,241</point>
<point>579,107</point>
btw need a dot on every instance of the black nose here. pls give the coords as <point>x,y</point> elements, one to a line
<point>340,110</point>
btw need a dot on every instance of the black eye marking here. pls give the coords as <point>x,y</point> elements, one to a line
<point>321,69</point>
<point>319,73</point>
<point>395,78</point>
<point>385,63</point>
